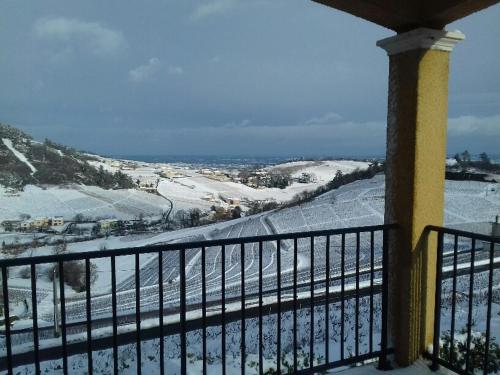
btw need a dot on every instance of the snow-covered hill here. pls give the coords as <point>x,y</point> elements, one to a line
<point>25,161</point>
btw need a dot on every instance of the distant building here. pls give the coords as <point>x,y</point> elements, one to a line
<point>41,222</point>
<point>35,224</point>
<point>11,225</point>
<point>26,225</point>
<point>57,221</point>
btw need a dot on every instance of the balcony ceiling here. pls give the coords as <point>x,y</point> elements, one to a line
<point>404,15</point>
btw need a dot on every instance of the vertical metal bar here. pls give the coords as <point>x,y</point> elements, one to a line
<point>356,317</point>
<point>55,299</point>
<point>115,320</point>
<point>372,276</point>
<point>278,315</point>
<point>63,319</point>
<point>34,304</point>
<point>223,307</point>
<point>471,298</point>
<point>327,301</point>
<point>295,266</point>
<point>160,312</point>
<point>342,294</point>
<point>243,337</point>
<point>437,303</point>
<point>182,296</point>
<point>453,300</point>
<point>88,307</point>
<point>311,332</point>
<point>138,313</point>
<point>8,343</point>
<point>488,311</point>
<point>204,308</point>
<point>383,364</point>
<point>261,364</point>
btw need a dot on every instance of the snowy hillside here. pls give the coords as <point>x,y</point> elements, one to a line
<point>25,161</point>
<point>68,201</point>
<point>362,203</point>
<point>357,204</point>
<point>323,170</point>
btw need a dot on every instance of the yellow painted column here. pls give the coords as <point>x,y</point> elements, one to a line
<point>416,153</point>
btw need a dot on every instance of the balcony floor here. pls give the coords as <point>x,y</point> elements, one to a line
<point>420,367</point>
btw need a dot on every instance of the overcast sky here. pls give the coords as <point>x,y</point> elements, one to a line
<point>230,77</point>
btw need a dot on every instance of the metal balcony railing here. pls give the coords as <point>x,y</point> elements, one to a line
<point>301,302</point>
<point>467,273</point>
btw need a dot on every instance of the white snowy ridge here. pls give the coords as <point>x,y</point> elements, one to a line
<point>7,142</point>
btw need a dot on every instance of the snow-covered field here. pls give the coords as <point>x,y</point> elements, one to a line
<point>358,204</point>
<point>68,201</point>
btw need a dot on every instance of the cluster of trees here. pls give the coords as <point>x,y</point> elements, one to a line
<point>107,180</point>
<point>74,274</point>
<point>7,131</point>
<point>468,169</point>
<point>464,160</point>
<point>73,271</point>
<point>68,150</point>
<point>274,179</point>
<point>278,180</point>
<point>256,207</point>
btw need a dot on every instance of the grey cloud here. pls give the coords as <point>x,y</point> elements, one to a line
<point>211,8</point>
<point>145,71</point>
<point>92,36</point>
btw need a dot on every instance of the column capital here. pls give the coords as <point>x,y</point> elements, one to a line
<point>421,38</point>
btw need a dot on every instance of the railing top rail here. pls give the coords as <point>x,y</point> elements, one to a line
<point>23,261</point>
<point>462,233</point>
